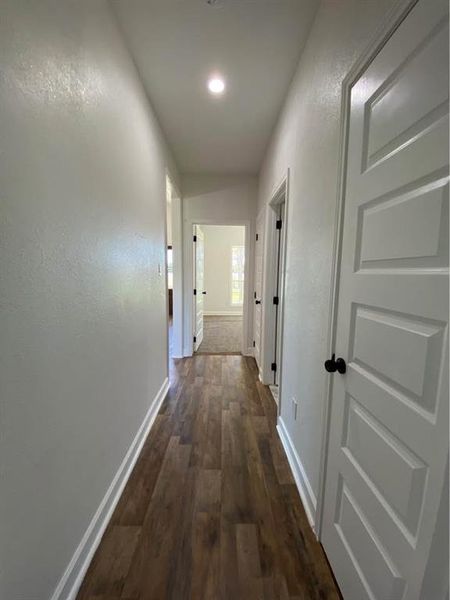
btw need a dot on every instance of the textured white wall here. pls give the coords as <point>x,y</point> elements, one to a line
<point>83,328</point>
<point>221,200</point>
<point>218,244</point>
<point>306,140</point>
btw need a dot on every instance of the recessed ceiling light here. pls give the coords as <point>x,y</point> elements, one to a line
<point>216,85</point>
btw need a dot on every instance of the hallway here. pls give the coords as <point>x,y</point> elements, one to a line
<point>201,199</point>
<point>211,510</point>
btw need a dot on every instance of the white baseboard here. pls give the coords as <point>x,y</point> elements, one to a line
<point>301,480</point>
<point>249,352</point>
<point>72,578</point>
<point>222,313</point>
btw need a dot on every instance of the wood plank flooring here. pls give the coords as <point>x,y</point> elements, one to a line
<point>211,511</point>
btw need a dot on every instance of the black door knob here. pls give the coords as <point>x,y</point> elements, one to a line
<point>257,301</point>
<point>335,364</point>
<point>204,293</point>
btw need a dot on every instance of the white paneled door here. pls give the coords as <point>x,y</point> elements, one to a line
<point>258,279</point>
<point>388,442</point>
<point>199,277</point>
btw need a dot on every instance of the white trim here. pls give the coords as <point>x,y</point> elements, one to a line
<point>223,313</point>
<point>72,578</point>
<point>398,13</point>
<point>304,487</point>
<point>247,326</point>
<point>197,335</point>
<point>177,257</point>
<point>261,216</point>
<point>249,352</point>
<point>280,195</point>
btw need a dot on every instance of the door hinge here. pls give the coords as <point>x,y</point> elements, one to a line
<point>195,339</point>
<point>279,223</point>
<point>195,292</point>
<point>257,237</point>
<point>276,300</point>
<point>195,238</point>
<point>254,295</point>
<point>254,343</point>
<point>273,367</point>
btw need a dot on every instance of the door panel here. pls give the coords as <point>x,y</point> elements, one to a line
<point>388,443</point>
<point>199,253</point>
<point>389,125</point>
<point>279,291</point>
<point>355,531</point>
<point>259,265</point>
<point>406,231</point>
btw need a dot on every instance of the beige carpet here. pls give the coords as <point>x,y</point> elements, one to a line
<point>221,334</point>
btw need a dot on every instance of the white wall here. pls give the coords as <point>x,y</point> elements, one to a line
<point>82,172</point>
<point>219,241</point>
<point>306,140</point>
<point>220,200</point>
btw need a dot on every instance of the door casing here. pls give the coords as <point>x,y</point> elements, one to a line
<point>177,249</point>
<point>188,346</point>
<point>258,293</point>
<point>198,237</point>
<point>280,195</point>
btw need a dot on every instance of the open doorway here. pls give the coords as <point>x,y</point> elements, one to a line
<point>278,209</point>
<point>219,288</point>
<point>278,294</point>
<point>174,270</point>
<point>272,259</point>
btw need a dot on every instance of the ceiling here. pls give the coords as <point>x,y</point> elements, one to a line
<point>254,44</point>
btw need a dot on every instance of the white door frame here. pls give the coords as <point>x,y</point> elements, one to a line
<point>196,233</point>
<point>279,196</point>
<point>261,216</point>
<point>177,262</point>
<point>398,13</point>
<point>247,349</point>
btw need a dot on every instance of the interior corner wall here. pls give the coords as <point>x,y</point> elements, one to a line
<point>82,245</point>
<point>306,140</point>
<point>219,200</point>
<point>219,241</point>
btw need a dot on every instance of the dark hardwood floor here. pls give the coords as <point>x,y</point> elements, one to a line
<point>211,510</point>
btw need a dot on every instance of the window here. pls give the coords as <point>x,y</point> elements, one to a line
<point>237,275</point>
<point>169,267</point>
